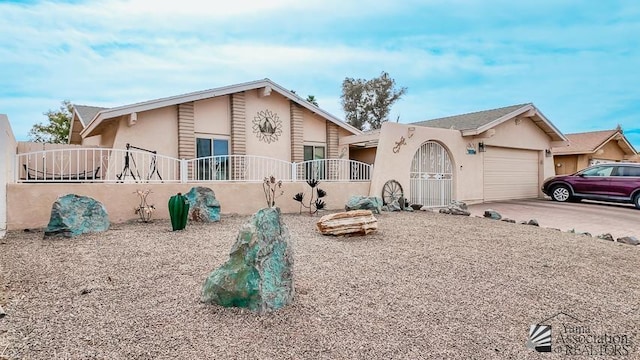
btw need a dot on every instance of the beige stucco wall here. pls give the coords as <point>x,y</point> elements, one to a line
<point>366,155</point>
<point>314,129</point>
<point>31,203</point>
<point>468,179</point>
<point>278,104</point>
<point>610,151</point>
<point>154,130</point>
<point>8,148</point>
<point>212,116</point>
<point>565,164</point>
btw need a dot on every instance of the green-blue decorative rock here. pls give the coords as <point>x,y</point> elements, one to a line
<point>358,202</point>
<point>203,205</point>
<point>259,272</point>
<point>72,215</point>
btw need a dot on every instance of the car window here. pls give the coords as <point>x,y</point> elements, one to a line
<point>628,171</point>
<point>598,171</point>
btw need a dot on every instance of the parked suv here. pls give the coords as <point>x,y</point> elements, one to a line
<point>616,182</point>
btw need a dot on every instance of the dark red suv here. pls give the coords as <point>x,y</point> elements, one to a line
<point>616,182</point>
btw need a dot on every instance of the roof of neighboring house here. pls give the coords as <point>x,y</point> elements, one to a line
<point>476,122</point>
<point>206,94</point>
<point>590,142</point>
<point>87,113</point>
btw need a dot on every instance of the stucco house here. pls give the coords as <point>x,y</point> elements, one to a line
<point>255,118</point>
<point>590,148</point>
<point>489,155</point>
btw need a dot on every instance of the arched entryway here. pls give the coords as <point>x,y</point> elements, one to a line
<point>431,176</point>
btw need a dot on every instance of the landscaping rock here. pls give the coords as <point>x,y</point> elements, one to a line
<point>459,204</point>
<point>533,222</point>
<point>606,236</point>
<point>2,313</point>
<point>73,215</point>
<point>509,220</point>
<point>203,205</point>
<point>358,202</point>
<point>426,208</point>
<point>355,222</point>
<point>416,206</point>
<point>259,272</point>
<point>456,208</point>
<point>409,209</point>
<point>629,240</point>
<point>492,214</point>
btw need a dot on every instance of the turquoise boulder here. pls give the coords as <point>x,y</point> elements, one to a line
<point>259,272</point>
<point>358,202</point>
<point>73,215</point>
<point>203,205</point>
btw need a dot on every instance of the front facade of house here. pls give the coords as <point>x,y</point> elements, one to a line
<point>590,148</point>
<point>492,155</point>
<point>259,118</point>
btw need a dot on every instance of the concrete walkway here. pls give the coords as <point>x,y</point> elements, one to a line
<point>593,217</point>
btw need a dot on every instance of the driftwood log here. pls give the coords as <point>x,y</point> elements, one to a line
<point>354,222</point>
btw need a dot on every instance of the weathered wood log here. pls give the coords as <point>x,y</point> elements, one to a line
<point>354,222</point>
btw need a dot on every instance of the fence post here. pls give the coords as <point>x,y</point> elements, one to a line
<point>183,171</point>
<point>294,171</point>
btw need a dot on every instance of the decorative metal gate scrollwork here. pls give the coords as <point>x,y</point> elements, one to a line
<point>431,176</point>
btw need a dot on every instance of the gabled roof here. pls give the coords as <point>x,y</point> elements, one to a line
<point>206,94</point>
<point>592,141</point>
<point>86,113</point>
<point>477,122</point>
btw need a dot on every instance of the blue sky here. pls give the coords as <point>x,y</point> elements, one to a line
<point>577,61</point>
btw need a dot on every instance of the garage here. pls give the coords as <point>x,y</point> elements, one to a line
<point>510,173</point>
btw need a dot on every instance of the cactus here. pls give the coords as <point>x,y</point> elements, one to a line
<point>179,211</point>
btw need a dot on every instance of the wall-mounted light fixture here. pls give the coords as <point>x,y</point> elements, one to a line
<point>481,147</point>
<point>547,152</point>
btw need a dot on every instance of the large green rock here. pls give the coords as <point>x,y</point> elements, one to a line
<point>259,272</point>
<point>203,205</point>
<point>72,215</point>
<point>358,202</point>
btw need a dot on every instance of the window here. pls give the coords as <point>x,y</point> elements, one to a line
<point>314,169</point>
<point>598,171</point>
<point>213,159</point>
<point>628,171</point>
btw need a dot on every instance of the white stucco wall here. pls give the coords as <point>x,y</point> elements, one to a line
<point>8,147</point>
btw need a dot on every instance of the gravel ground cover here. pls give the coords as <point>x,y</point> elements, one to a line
<point>426,285</point>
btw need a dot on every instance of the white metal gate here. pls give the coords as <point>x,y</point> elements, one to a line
<point>431,176</point>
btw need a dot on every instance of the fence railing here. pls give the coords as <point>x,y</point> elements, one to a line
<point>96,165</point>
<point>134,166</point>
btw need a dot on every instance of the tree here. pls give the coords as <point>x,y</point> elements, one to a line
<point>312,99</point>
<point>57,130</point>
<point>368,102</point>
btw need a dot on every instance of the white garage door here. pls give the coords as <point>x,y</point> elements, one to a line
<point>510,174</point>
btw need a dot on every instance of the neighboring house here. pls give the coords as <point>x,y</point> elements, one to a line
<point>590,148</point>
<point>81,117</point>
<point>488,155</point>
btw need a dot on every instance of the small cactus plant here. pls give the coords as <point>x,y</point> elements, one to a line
<point>178,211</point>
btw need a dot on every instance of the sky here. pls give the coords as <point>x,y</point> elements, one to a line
<point>577,61</point>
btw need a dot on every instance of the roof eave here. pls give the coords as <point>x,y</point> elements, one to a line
<point>206,94</point>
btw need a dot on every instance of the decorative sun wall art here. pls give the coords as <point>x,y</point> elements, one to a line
<point>267,126</point>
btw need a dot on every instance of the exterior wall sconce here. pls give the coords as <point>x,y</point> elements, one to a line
<point>547,152</point>
<point>410,132</point>
<point>481,147</point>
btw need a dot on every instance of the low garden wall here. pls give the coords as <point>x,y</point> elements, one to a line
<point>29,205</point>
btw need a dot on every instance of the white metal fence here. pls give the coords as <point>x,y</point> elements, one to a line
<point>126,166</point>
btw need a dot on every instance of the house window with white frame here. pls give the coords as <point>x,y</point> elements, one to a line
<point>314,166</point>
<point>213,158</point>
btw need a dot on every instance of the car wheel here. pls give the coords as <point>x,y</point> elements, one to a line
<point>636,201</point>
<point>561,193</point>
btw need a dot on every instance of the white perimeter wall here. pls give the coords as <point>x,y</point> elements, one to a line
<point>8,148</point>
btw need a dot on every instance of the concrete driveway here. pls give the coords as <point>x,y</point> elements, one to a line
<point>593,217</point>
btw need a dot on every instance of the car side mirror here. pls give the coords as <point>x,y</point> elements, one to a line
<point>581,175</point>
